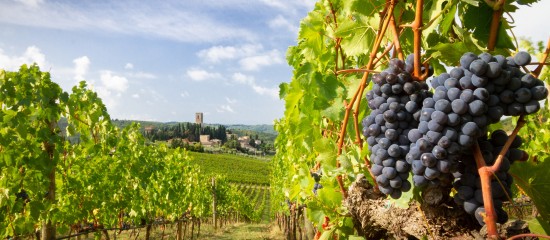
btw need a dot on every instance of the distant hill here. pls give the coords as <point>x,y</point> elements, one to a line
<point>265,132</point>
<point>264,128</point>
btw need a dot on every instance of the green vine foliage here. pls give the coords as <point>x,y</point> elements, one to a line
<point>533,177</point>
<point>104,176</point>
<point>338,35</point>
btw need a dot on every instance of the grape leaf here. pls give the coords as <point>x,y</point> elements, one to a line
<point>357,36</point>
<point>527,2</point>
<point>311,30</point>
<point>539,226</point>
<point>327,234</point>
<point>478,20</point>
<point>534,179</point>
<point>503,39</point>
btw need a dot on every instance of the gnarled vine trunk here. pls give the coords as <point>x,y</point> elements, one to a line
<point>375,218</point>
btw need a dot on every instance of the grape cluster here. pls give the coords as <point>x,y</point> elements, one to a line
<point>411,129</point>
<point>317,177</point>
<point>468,184</point>
<point>22,194</point>
<point>465,101</point>
<point>510,90</point>
<point>395,100</point>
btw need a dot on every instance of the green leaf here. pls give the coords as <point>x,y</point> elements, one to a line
<point>35,209</point>
<point>472,2</point>
<point>345,162</point>
<point>527,2</point>
<point>315,212</point>
<point>539,226</point>
<point>283,89</point>
<point>534,179</point>
<point>434,14</point>
<point>449,53</point>
<point>312,31</point>
<point>357,36</point>
<point>327,234</point>
<point>355,237</point>
<point>328,158</point>
<point>448,20</point>
<point>331,197</point>
<point>335,111</point>
<point>359,7</point>
<point>503,39</point>
<point>478,20</point>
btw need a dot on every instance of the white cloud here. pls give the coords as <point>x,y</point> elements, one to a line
<point>243,79</point>
<point>254,63</point>
<point>31,55</point>
<point>216,54</point>
<point>184,94</point>
<point>31,3</point>
<point>129,66</point>
<point>81,66</point>
<point>251,57</point>
<point>290,6</point>
<point>113,82</point>
<point>251,82</point>
<point>202,75</point>
<point>111,88</point>
<point>225,108</point>
<point>282,22</point>
<point>166,19</point>
<point>273,92</point>
<point>135,95</point>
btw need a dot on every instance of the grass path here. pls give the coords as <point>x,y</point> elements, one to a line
<point>237,231</point>
<point>242,231</point>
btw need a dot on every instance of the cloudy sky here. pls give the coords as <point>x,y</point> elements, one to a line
<point>164,60</point>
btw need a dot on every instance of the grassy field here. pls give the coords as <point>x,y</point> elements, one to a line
<point>237,169</point>
<point>249,175</point>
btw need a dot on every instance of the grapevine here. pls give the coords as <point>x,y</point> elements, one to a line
<point>438,135</point>
<point>66,169</point>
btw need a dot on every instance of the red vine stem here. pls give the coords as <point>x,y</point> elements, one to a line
<point>363,85</point>
<point>495,23</point>
<point>359,70</point>
<point>504,149</point>
<point>390,4</point>
<point>417,38</point>
<point>542,61</point>
<point>386,51</point>
<point>358,93</point>
<point>485,177</point>
<point>485,174</point>
<point>396,42</point>
<point>336,48</point>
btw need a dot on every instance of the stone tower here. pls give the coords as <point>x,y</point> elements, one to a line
<point>198,118</point>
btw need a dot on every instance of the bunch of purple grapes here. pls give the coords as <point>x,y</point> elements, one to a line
<point>465,101</point>
<point>409,129</point>
<point>468,184</point>
<point>316,177</point>
<point>395,100</point>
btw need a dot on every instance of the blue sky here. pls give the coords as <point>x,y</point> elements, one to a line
<point>164,60</point>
